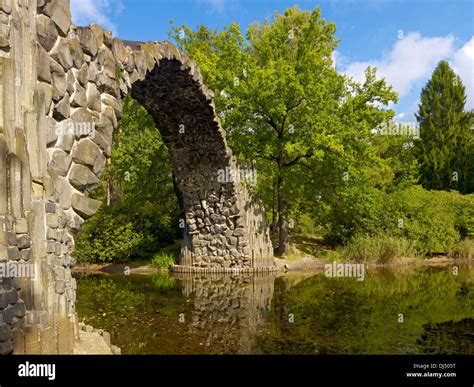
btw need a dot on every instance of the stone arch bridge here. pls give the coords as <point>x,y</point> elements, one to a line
<point>60,92</point>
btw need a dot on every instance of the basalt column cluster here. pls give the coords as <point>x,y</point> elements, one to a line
<point>61,88</point>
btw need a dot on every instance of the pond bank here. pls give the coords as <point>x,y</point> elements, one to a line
<point>305,264</point>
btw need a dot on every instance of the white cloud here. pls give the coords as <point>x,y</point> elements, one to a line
<point>85,12</point>
<point>411,60</point>
<point>462,62</point>
<point>409,114</point>
<point>338,60</point>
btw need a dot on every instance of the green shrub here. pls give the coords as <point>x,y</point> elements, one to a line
<point>359,210</point>
<point>434,221</point>
<point>163,260</point>
<point>108,238</point>
<point>463,250</point>
<point>121,233</point>
<point>377,249</point>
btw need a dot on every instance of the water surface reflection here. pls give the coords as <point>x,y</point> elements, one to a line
<point>229,311</point>
<point>297,314</point>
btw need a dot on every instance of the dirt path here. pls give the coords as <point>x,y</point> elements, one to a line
<point>306,263</point>
<point>116,268</point>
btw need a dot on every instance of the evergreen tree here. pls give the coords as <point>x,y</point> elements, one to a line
<point>445,146</point>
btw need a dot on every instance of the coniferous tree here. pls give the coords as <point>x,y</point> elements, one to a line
<point>445,146</point>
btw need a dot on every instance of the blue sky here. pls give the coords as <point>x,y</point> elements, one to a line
<point>404,39</point>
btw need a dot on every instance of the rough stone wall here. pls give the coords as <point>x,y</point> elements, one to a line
<point>33,228</point>
<point>60,92</point>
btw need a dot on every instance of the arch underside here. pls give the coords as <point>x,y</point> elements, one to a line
<point>216,233</point>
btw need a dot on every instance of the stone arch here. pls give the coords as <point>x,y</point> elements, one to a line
<point>60,92</point>
<point>217,235</point>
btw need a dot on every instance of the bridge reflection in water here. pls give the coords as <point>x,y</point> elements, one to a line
<point>228,310</point>
<point>301,314</point>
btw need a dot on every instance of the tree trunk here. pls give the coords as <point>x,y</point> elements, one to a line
<point>275,207</point>
<point>179,195</point>
<point>283,227</point>
<point>110,190</point>
<point>110,184</point>
<point>119,191</point>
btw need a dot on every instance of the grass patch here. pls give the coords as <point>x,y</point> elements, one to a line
<point>307,244</point>
<point>163,260</point>
<point>330,255</point>
<point>377,249</point>
<point>463,250</point>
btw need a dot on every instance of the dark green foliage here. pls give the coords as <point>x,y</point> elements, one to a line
<point>118,233</point>
<point>143,212</point>
<point>445,149</point>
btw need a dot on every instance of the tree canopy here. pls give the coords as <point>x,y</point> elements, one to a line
<point>284,105</point>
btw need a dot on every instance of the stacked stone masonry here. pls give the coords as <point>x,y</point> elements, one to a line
<point>61,88</point>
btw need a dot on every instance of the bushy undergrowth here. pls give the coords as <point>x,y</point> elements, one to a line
<point>163,260</point>
<point>377,249</point>
<point>117,235</point>
<point>463,250</point>
<point>434,222</point>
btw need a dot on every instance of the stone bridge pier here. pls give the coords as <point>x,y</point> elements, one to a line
<point>61,88</point>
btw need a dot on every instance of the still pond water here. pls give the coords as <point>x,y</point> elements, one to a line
<point>419,310</point>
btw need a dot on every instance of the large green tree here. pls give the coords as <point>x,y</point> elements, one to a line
<point>445,146</point>
<point>284,105</point>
